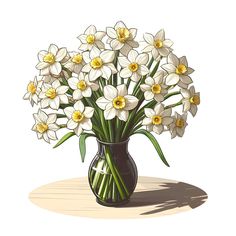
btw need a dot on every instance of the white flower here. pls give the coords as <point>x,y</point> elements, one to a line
<point>50,61</point>
<point>177,127</point>
<point>157,45</point>
<point>134,67</point>
<point>121,38</point>
<point>99,63</point>
<point>191,100</point>
<point>178,71</point>
<point>33,90</point>
<point>79,117</point>
<point>156,119</point>
<point>45,126</point>
<point>154,87</point>
<point>75,63</point>
<point>82,86</point>
<point>53,95</point>
<point>116,102</point>
<point>90,38</point>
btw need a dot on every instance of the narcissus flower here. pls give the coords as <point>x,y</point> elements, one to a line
<point>45,126</point>
<point>191,100</point>
<point>121,38</point>
<point>116,102</point>
<point>79,117</point>
<point>134,66</point>
<point>177,127</point>
<point>154,87</point>
<point>178,71</point>
<point>157,45</point>
<point>99,64</point>
<point>53,95</point>
<point>50,61</point>
<point>157,118</point>
<point>82,86</point>
<point>90,38</point>
<point>33,90</point>
<point>75,63</point>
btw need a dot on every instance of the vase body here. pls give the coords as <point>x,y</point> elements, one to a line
<point>112,174</point>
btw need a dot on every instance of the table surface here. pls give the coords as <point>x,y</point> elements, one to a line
<point>153,197</point>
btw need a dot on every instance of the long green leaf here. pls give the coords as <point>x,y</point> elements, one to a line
<point>82,145</point>
<point>64,138</point>
<point>154,142</point>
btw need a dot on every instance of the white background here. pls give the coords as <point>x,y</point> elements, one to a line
<point>204,31</point>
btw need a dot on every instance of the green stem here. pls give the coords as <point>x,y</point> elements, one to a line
<point>171,94</point>
<point>174,105</point>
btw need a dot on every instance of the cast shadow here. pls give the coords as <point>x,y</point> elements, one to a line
<point>172,195</point>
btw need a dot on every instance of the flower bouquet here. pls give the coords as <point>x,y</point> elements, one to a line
<point>110,91</point>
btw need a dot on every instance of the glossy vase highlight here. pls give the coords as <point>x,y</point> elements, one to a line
<point>112,174</point>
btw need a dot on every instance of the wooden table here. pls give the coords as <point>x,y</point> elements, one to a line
<point>153,197</point>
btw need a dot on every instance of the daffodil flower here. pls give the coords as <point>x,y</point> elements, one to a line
<point>79,117</point>
<point>82,86</point>
<point>53,95</point>
<point>121,38</point>
<point>178,71</point>
<point>50,61</point>
<point>157,45</point>
<point>177,127</point>
<point>90,38</point>
<point>134,66</point>
<point>99,63</point>
<point>191,100</point>
<point>116,102</point>
<point>45,126</point>
<point>75,63</point>
<point>154,87</point>
<point>157,118</point>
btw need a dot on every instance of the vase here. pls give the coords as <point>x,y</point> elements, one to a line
<point>112,174</point>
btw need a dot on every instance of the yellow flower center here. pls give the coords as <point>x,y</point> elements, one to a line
<point>181,69</point>
<point>180,123</point>
<point>96,63</point>
<point>31,88</point>
<point>156,120</point>
<point>122,34</point>
<point>77,116</point>
<point>195,100</point>
<point>82,85</point>
<point>119,102</point>
<point>51,93</point>
<point>49,58</point>
<point>90,39</point>
<point>158,43</point>
<point>77,59</point>
<point>133,67</point>
<point>41,127</point>
<point>156,88</point>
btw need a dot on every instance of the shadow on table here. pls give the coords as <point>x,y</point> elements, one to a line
<point>171,196</point>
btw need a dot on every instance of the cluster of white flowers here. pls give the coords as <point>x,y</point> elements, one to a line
<point>99,74</point>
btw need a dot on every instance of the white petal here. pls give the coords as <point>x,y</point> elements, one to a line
<point>52,135</point>
<point>94,74</point>
<point>164,51</point>
<point>61,54</point>
<point>147,121</point>
<point>143,70</point>
<point>42,54</point>
<point>193,109</point>
<point>148,38</point>
<point>186,79</point>
<point>45,137</point>
<point>122,90</point>
<point>170,68</point>
<point>110,92</point>
<point>120,24</point>
<point>122,115</point>
<point>78,130</point>
<point>159,97</point>
<point>69,111</point>
<point>112,67</point>
<point>42,65</point>
<point>125,49</point>
<point>87,92</point>
<point>183,60</point>
<point>51,118</point>
<point>155,54</point>
<point>149,81</point>
<point>79,106</point>
<point>167,120</point>
<point>149,112</point>
<point>45,71</point>
<point>111,32</point>
<point>160,35</point>
<point>90,30</point>
<point>173,59</point>
<point>88,112</point>
<point>172,79</point>
<point>159,108</point>
<point>123,61</point>
<point>186,105</point>
<point>133,32</point>
<point>55,84</point>
<point>106,72</point>
<point>86,124</point>
<point>167,43</point>
<point>116,45</point>
<point>149,128</point>
<point>95,52</point>
<point>135,77</point>
<point>82,38</point>
<point>44,102</point>
<point>125,73</point>
<point>158,77</point>
<point>62,90</point>
<point>53,127</point>
<point>158,129</point>
<point>54,103</point>
<point>102,102</point>
<point>42,116</point>
<point>185,93</point>
<point>71,124</point>
<point>145,87</point>
<point>142,59</point>
<point>55,69</point>
<point>77,94</point>
<point>148,48</point>
<point>132,55</point>
<point>130,102</point>
<point>86,68</point>
<point>107,56</point>
<point>86,57</point>
<point>99,44</point>
<point>53,49</point>
<point>110,112</point>
<point>63,99</point>
<point>73,81</point>
<point>148,95</point>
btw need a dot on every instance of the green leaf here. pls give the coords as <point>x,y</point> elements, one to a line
<point>82,145</point>
<point>64,138</point>
<point>154,142</point>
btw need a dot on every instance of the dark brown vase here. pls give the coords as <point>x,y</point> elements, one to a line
<point>112,174</point>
